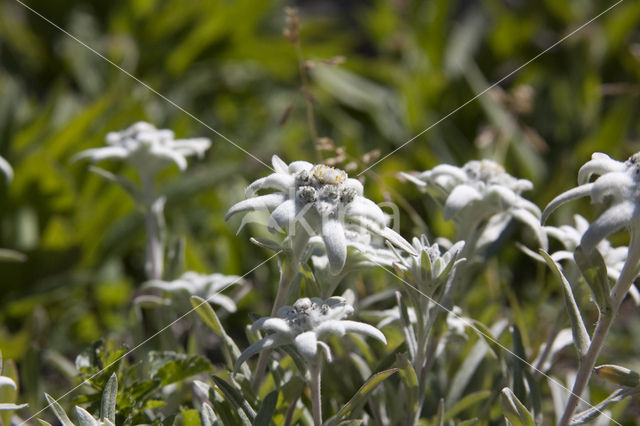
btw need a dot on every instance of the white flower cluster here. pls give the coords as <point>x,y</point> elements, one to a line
<point>206,286</point>
<point>618,183</point>
<point>304,325</point>
<point>146,148</point>
<point>480,191</point>
<point>312,200</point>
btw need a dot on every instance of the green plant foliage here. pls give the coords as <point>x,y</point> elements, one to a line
<point>345,83</point>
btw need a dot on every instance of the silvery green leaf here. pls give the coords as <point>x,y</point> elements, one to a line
<point>11,407</point>
<point>267,409</point>
<point>85,418</point>
<point>208,416</point>
<point>594,271</point>
<point>407,328</point>
<point>572,194</point>
<point>236,399</point>
<point>513,410</point>
<point>580,335</point>
<point>268,342</point>
<point>593,412</point>
<point>58,411</point>
<point>109,396</point>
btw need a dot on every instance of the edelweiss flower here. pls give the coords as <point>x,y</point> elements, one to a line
<point>304,324</point>
<point>480,191</point>
<point>316,200</point>
<point>205,286</point>
<point>619,183</point>
<point>147,148</point>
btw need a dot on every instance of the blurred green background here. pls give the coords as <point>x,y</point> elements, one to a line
<point>407,64</point>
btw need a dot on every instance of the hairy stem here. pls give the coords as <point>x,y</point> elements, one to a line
<point>316,400</point>
<point>625,280</point>
<point>288,272</point>
<point>154,221</point>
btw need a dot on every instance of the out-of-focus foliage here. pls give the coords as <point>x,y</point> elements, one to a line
<point>408,64</point>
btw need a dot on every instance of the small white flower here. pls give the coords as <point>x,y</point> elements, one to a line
<point>479,191</point>
<point>618,183</point>
<point>205,286</point>
<point>304,325</point>
<point>147,148</point>
<point>314,200</point>
<point>6,169</point>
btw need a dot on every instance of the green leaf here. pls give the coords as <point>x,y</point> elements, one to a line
<point>619,375</point>
<point>407,329</point>
<point>465,403</point>
<point>234,397</point>
<point>190,417</point>
<point>58,411</point>
<point>265,414</point>
<point>410,379</point>
<point>594,271</point>
<point>581,338</point>
<point>475,357</point>
<point>513,410</point>
<point>109,396</point>
<point>230,351</point>
<point>361,395</point>
<point>518,360</point>
<point>176,367</point>
<point>440,414</point>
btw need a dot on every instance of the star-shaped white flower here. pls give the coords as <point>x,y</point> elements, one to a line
<point>480,191</point>
<point>618,183</point>
<point>304,324</point>
<point>208,287</point>
<point>147,148</point>
<point>314,200</point>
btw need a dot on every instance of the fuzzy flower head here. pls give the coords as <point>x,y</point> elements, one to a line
<point>304,324</point>
<point>208,287</point>
<point>310,200</point>
<point>618,183</point>
<point>147,149</point>
<point>479,191</point>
